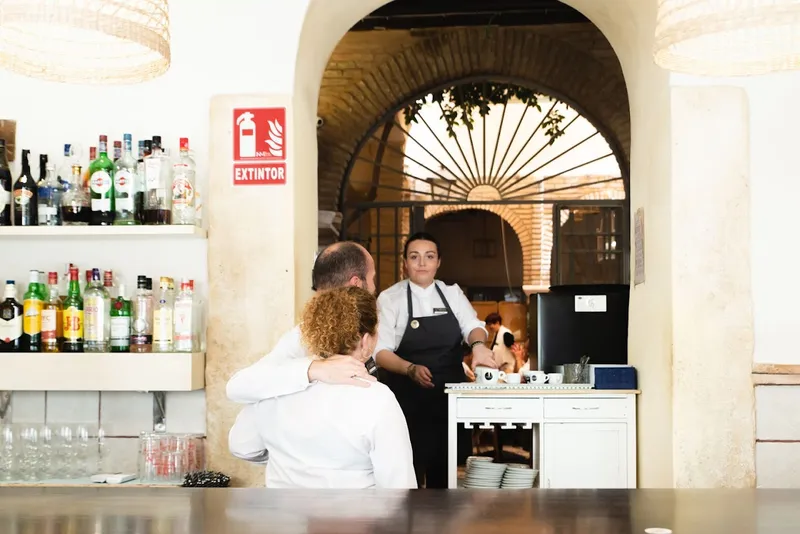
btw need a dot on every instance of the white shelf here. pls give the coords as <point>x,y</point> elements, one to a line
<point>95,371</point>
<point>103,231</point>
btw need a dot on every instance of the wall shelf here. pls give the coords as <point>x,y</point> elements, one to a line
<point>114,371</point>
<point>103,231</point>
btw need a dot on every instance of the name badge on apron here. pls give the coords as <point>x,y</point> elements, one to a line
<point>414,324</point>
<point>437,311</point>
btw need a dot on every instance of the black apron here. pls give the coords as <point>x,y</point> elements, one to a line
<point>436,343</point>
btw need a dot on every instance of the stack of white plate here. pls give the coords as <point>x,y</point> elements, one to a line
<point>518,476</point>
<point>483,473</point>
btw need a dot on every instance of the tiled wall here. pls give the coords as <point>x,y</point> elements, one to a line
<point>778,436</point>
<point>121,415</point>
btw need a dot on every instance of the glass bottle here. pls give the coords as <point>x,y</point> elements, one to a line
<point>73,315</point>
<point>121,322</point>
<point>25,196</point>
<point>52,316</point>
<point>51,195</point>
<point>101,178</point>
<point>125,185</point>
<point>85,175</point>
<point>183,187</point>
<point>5,186</point>
<point>32,305</point>
<point>141,186</point>
<point>10,320</point>
<point>158,180</point>
<point>75,205</point>
<point>96,316</point>
<point>142,317</point>
<point>183,319</point>
<point>162,317</point>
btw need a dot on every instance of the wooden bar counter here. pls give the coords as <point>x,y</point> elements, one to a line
<point>240,511</point>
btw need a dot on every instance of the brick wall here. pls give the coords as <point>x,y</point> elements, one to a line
<point>371,73</point>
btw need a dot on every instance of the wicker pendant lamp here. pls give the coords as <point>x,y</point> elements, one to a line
<point>85,41</point>
<point>728,37</point>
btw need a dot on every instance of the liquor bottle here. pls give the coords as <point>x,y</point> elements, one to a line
<point>162,317</point>
<point>108,283</point>
<point>73,315</point>
<point>25,196</point>
<point>184,321</point>
<point>183,187</point>
<point>96,316</point>
<point>52,317</point>
<point>5,186</point>
<point>142,317</point>
<point>158,179</point>
<point>51,195</point>
<point>145,148</point>
<point>101,178</point>
<point>86,174</point>
<point>75,206</point>
<point>32,305</point>
<point>10,320</point>
<point>125,186</point>
<point>121,322</point>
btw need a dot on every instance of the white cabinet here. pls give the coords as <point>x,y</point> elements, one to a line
<point>585,455</point>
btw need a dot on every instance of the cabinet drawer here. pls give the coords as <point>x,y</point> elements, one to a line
<point>500,408</point>
<point>585,408</point>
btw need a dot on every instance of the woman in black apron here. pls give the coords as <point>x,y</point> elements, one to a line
<point>428,356</point>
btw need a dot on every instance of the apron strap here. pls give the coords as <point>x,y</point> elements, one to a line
<point>410,305</point>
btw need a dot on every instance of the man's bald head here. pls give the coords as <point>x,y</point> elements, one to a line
<point>342,264</point>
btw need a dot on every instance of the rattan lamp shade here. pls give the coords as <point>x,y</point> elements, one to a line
<point>728,37</point>
<point>85,41</point>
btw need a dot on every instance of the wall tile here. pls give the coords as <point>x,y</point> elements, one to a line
<point>73,407</point>
<point>775,412</point>
<point>186,412</point>
<point>126,414</point>
<point>778,465</point>
<point>120,455</point>
<point>27,406</point>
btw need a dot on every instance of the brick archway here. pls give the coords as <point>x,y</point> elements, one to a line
<point>363,84</point>
<point>507,213</point>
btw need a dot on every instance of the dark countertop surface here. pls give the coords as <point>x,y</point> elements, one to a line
<point>238,511</point>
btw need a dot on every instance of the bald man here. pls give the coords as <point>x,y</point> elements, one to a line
<point>289,368</point>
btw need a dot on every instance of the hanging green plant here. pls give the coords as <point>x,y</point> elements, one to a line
<point>458,104</point>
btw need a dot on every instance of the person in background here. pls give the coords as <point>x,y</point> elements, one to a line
<point>423,323</point>
<point>331,436</point>
<point>287,368</point>
<point>502,341</point>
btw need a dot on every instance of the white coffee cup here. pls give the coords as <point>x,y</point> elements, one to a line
<point>555,378</point>
<point>513,378</point>
<point>536,377</point>
<point>487,375</point>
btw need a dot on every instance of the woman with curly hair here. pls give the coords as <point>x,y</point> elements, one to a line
<point>331,436</point>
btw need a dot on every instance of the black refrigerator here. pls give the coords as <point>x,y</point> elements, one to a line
<point>577,320</point>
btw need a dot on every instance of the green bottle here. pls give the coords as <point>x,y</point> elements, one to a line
<point>101,186</point>
<point>73,315</point>
<point>121,323</point>
<point>32,315</point>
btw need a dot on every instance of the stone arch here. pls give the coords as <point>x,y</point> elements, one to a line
<point>520,227</point>
<point>355,97</point>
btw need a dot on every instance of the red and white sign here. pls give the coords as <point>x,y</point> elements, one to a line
<point>259,146</point>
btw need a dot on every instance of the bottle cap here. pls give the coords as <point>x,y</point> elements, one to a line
<point>184,143</point>
<point>52,278</point>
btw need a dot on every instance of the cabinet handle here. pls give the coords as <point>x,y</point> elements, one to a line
<point>591,408</point>
<point>498,408</point>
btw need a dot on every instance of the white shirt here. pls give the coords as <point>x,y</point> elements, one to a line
<point>393,308</point>
<point>328,436</point>
<point>281,372</point>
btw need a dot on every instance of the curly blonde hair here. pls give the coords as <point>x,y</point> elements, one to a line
<point>335,320</point>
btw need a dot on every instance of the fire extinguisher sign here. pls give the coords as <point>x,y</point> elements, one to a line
<point>259,146</point>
